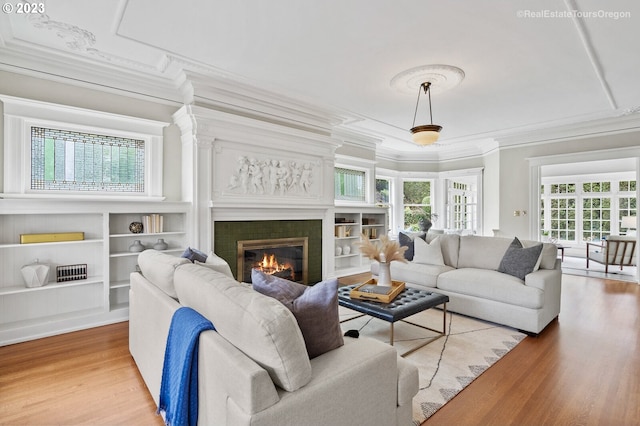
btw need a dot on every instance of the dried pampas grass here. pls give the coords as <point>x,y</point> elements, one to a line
<point>386,251</point>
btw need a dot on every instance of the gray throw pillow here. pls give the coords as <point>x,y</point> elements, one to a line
<point>406,239</point>
<point>519,261</point>
<point>314,307</point>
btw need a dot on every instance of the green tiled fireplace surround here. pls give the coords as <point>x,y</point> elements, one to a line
<point>228,233</point>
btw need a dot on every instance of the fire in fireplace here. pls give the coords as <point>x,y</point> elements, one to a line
<point>283,257</point>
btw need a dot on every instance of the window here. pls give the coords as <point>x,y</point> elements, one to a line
<point>596,222</point>
<point>350,185</point>
<point>627,203</point>
<point>586,209</point>
<point>383,188</point>
<point>63,160</point>
<point>462,205</point>
<point>561,224</point>
<point>416,202</point>
<point>77,152</point>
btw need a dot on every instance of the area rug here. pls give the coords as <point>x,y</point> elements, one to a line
<point>446,365</point>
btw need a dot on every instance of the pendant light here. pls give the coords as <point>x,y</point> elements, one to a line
<point>426,134</point>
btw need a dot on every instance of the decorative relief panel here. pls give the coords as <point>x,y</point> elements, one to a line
<point>249,174</point>
<point>271,177</point>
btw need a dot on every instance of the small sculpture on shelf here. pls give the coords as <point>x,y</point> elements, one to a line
<point>35,274</point>
<point>136,227</point>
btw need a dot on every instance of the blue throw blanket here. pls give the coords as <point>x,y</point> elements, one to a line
<point>179,387</point>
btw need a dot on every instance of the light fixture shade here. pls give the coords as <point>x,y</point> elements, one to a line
<point>425,135</point>
<point>629,222</point>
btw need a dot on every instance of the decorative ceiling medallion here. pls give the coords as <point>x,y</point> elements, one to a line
<point>441,77</point>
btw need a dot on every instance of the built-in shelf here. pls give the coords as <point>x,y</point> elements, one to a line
<point>356,221</point>
<point>32,312</point>
<point>48,287</point>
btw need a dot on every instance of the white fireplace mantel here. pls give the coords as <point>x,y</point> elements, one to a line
<point>242,168</point>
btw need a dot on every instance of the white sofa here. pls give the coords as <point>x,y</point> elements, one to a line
<point>470,277</point>
<point>254,370</point>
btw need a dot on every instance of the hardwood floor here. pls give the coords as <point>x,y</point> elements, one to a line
<point>584,369</point>
<point>80,378</point>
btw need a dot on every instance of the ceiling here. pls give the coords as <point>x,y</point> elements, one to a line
<point>527,65</point>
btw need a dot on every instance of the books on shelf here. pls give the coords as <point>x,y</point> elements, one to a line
<point>153,223</point>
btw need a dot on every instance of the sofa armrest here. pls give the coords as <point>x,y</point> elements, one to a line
<point>543,278</point>
<point>354,384</point>
<point>408,382</point>
<point>150,313</point>
<point>225,373</point>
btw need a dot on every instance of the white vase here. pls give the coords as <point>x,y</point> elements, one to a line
<point>346,249</point>
<point>338,251</point>
<point>384,274</point>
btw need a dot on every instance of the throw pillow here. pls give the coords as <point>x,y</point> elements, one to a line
<point>405,239</point>
<point>217,263</point>
<point>314,307</point>
<point>428,253</point>
<point>518,260</point>
<point>194,254</point>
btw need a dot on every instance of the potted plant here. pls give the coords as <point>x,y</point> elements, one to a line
<point>425,220</point>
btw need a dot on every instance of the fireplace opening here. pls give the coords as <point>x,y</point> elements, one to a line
<point>282,257</point>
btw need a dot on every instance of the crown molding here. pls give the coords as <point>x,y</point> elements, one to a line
<point>82,71</point>
<point>624,122</point>
<point>209,89</point>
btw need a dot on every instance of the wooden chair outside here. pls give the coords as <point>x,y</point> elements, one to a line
<point>617,250</point>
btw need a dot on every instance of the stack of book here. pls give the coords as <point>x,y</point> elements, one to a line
<point>152,224</point>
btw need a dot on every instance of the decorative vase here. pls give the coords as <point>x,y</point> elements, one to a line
<point>338,250</point>
<point>160,245</point>
<point>136,247</point>
<point>136,227</point>
<point>346,249</point>
<point>35,274</point>
<point>384,274</point>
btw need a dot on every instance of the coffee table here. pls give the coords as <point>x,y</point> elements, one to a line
<point>409,302</point>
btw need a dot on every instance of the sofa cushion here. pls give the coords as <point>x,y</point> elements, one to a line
<point>428,253</point>
<point>492,285</point>
<point>482,252</point>
<point>159,268</point>
<point>217,264</point>
<point>406,239</point>
<point>519,261</point>
<point>450,244</point>
<point>260,326</point>
<point>315,308</point>
<point>548,256</point>
<point>414,273</point>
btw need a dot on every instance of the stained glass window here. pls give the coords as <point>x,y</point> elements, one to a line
<point>63,160</point>
<point>349,184</point>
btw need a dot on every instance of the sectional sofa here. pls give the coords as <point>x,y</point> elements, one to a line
<point>254,369</point>
<point>467,269</point>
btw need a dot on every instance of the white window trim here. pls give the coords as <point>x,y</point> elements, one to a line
<point>22,114</point>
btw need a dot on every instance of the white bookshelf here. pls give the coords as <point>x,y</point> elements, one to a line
<point>350,224</point>
<point>102,298</point>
